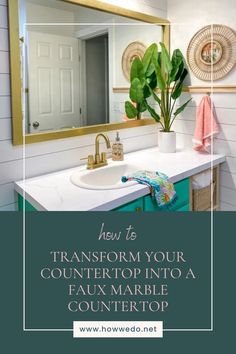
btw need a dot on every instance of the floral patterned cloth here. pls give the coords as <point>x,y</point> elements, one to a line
<point>161,189</point>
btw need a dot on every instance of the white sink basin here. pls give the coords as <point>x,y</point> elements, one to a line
<point>107,177</point>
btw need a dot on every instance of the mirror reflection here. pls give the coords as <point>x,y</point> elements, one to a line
<point>72,59</point>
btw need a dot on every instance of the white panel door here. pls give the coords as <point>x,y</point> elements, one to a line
<point>53,71</point>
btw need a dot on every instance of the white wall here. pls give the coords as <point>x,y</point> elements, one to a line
<point>187,17</point>
<point>151,7</point>
<point>37,14</point>
<point>54,155</point>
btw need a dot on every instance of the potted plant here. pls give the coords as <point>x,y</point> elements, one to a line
<point>157,71</point>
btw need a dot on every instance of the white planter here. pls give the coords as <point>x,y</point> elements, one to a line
<point>167,141</point>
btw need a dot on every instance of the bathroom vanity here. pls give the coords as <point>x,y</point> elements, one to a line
<point>102,190</point>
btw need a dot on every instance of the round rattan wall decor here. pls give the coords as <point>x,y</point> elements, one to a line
<point>211,53</point>
<point>132,51</point>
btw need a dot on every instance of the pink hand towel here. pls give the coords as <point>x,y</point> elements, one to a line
<point>206,125</point>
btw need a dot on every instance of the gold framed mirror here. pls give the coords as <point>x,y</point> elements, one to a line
<point>26,130</point>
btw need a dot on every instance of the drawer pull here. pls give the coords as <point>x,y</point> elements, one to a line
<point>138,209</point>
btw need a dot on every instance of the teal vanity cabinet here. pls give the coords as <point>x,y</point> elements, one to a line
<point>182,202</point>
<point>28,206</point>
<point>148,204</point>
<point>136,205</point>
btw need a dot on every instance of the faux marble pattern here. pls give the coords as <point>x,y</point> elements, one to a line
<point>55,192</point>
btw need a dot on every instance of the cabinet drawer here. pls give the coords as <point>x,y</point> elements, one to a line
<point>182,190</point>
<point>184,208</point>
<point>136,205</point>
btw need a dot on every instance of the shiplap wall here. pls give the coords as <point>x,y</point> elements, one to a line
<point>187,17</point>
<point>60,154</point>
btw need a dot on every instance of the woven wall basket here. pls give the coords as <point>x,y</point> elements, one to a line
<point>132,51</point>
<point>211,53</point>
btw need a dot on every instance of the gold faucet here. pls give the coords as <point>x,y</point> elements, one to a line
<point>98,160</point>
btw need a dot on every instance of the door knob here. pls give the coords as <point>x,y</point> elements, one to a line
<point>36,124</point>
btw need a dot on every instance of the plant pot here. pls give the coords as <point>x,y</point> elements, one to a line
<point>167,141</point>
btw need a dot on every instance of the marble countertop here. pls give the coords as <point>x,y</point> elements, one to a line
<point>55,191</point>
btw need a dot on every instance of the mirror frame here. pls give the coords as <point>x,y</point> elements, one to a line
<point>18,136</point>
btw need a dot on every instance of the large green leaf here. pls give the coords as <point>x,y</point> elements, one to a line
<point>180,71</point>
<point>179,87</point>
<point>156,98</point>
<point>151,84</point>
<point>161,83</point>
<point>137,70</point>
<point>183,75</point>
<point>130,110</point>
<point>180,109</point>
<point>149,58</point>
<point>150,70</point>
<point>136,91</point>
<point>146,92</point>
<point>176,60</point>
<point>152,80</point>
<point>153,113</point>
<point>159,58</point>
<point>142,107</point>
<point>177,91</point>
<point>165,59</point>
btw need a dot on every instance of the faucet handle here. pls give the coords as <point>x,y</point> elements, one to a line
<point>90,161</point>
<point>103,157</point>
